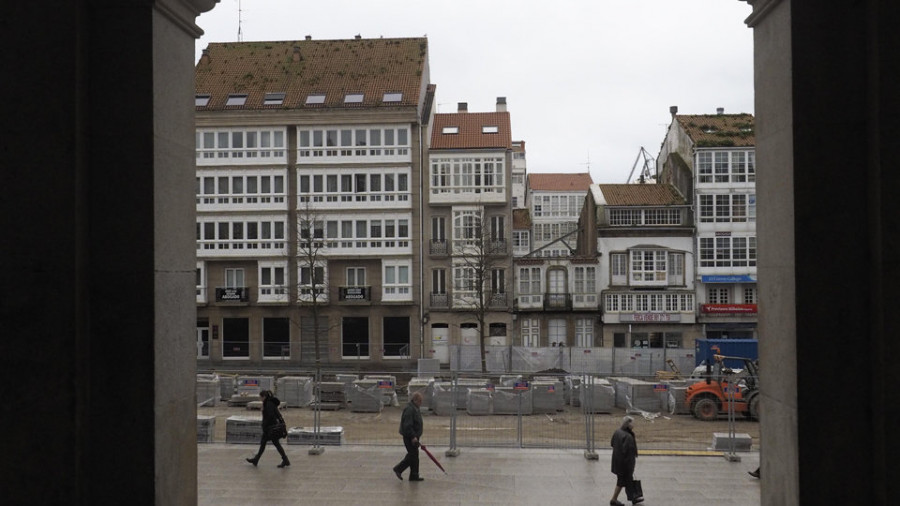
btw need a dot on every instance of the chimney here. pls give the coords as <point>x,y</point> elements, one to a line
<point>501,104</point>
<point>720,110</point>
<point>204,58</point>
<point>296,53</point>
<point>673,110</point>
<point>309,37</point>
<point>462,107</point>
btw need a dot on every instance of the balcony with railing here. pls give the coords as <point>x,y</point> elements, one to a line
<point>439,301</point>
<point>439,247</point>
<point>557,302</point>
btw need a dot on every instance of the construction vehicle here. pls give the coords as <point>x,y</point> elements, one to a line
<point>723,388</point>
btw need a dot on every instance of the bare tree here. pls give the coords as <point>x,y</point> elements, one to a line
<point>480,261</point>
<point>312,281</point>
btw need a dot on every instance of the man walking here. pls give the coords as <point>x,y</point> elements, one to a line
<point>411,430</point>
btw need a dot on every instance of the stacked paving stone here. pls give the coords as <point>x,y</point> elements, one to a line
<point>386,386</point>
<point>425,386</point>
<point>442,398</point>
<point>596,396</point>
<point>509,401</point>
<point>636,394</point>
<point>206,428</point>
<point>295,391</point>
<point>209,390</point>
<point>243,429</point>
<point>226,384</point>
<point>365,396</point>
<point>479,401</point>
<point>547,396</point>
<point>307,436</point>
<point>332,395</point>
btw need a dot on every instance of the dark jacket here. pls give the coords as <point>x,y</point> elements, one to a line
<point>270,413</point>
<point>411,421</point>
<point>624,453</point>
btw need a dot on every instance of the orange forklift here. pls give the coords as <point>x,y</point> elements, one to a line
<point>711,397</point>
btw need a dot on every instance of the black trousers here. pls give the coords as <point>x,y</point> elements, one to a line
<point>262,447</point>
<point>411,460</point>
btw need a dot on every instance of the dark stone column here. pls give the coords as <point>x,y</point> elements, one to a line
<point>97,316</point>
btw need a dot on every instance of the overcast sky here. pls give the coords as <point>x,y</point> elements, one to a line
<point>586,81</point>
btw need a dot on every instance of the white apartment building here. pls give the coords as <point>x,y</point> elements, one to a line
<point>309,158</point>
<point>643,237</point>
<point>468,218</point>
<point>712,159</point>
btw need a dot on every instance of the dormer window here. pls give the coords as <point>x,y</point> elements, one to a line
<point>236,99</point>
<point>392,97</point>
<point>450,130</point>
<point>273,99</point>
<point>353,98</point>
<point>201,100</point>
<point>315,98</point>
<point>489,129</point>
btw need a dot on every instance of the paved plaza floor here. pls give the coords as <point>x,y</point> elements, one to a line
<point>361,475</point>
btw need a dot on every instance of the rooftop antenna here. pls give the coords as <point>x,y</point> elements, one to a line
<point>240,37</point>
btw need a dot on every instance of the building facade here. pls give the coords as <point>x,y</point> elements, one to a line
<point>712,159</point>
<point>308,160</point>
<point>468,218</point>
<point>557,296</point>
<point>642,235</point>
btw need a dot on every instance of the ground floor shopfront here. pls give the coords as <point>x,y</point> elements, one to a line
<point>255,335</point>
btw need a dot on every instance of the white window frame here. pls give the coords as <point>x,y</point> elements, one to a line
<point>273,291</point>
<point>304,288</point>
<point>397,280</point>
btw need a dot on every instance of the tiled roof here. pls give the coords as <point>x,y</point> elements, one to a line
<point>710,130</point>
<point>336,68</point>
<point>640,195</point>
<point>521,219</point>
<point>560,182</point>
<point>470,134</point>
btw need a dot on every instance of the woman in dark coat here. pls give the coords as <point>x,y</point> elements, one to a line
<point>624,455</point>
<point>270,417</point>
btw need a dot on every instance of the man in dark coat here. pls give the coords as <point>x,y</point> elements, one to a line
<point>270,417</point>
<point>411,430</point>
<point>624,455</point>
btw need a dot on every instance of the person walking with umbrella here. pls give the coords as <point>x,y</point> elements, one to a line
<point>411,429</point>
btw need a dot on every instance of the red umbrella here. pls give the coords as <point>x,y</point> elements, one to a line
<point>430,456</point>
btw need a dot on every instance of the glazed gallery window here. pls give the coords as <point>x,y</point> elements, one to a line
<point>247,189</point>
<point>467,175</point>
<point>727,208</point>
<point>726,166</point>
<point>217,234</point>
<point>739,251</point>
<point>345,186</point>
<point>557,206</point>
<point>316,144</point>
<point>222,146</point>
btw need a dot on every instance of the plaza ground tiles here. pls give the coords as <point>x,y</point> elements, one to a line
<point>356,474</point>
